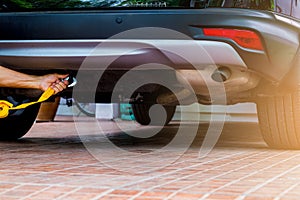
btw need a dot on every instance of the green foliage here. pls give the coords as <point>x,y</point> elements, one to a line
<point>61,4</point>
<point>36,4</point>
<point>65,4</point>
<point>22,3</point>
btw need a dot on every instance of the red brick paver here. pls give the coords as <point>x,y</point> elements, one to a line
<point>52,162</point>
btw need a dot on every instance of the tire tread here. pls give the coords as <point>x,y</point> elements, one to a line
<point>141,113</point>
<point>278,117</point>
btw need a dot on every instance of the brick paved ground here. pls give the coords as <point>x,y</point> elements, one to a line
<point>51,162</point>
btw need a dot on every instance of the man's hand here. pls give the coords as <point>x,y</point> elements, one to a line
<point>54,81</point>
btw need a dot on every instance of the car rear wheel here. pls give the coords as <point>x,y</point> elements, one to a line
<point>279,118</point>
<point>18,124</point>
<point>142,114</point>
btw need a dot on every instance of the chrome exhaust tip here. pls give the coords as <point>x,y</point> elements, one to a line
<point>221,74</point>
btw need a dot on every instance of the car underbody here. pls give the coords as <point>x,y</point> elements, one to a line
<point>162,56</point>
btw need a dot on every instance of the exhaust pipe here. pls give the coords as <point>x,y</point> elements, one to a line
<point>221,74</point>
<point>171,98</point>
<point>198,80</point>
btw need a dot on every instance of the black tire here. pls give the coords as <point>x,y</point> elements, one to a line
<point>279,119</point>
<point>141,114</point>
<point>18,124</point>
<point>84,108</point>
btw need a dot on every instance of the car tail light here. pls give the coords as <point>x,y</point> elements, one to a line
<point>245,38</point>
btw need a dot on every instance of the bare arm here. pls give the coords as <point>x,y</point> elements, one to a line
<point>14,79</point>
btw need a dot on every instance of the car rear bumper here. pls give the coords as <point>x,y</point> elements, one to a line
<point>71,54</point>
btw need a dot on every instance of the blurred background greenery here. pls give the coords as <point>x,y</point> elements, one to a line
<point>72,4</point>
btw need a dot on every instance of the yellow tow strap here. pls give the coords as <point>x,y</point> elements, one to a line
<point>6,106</point>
